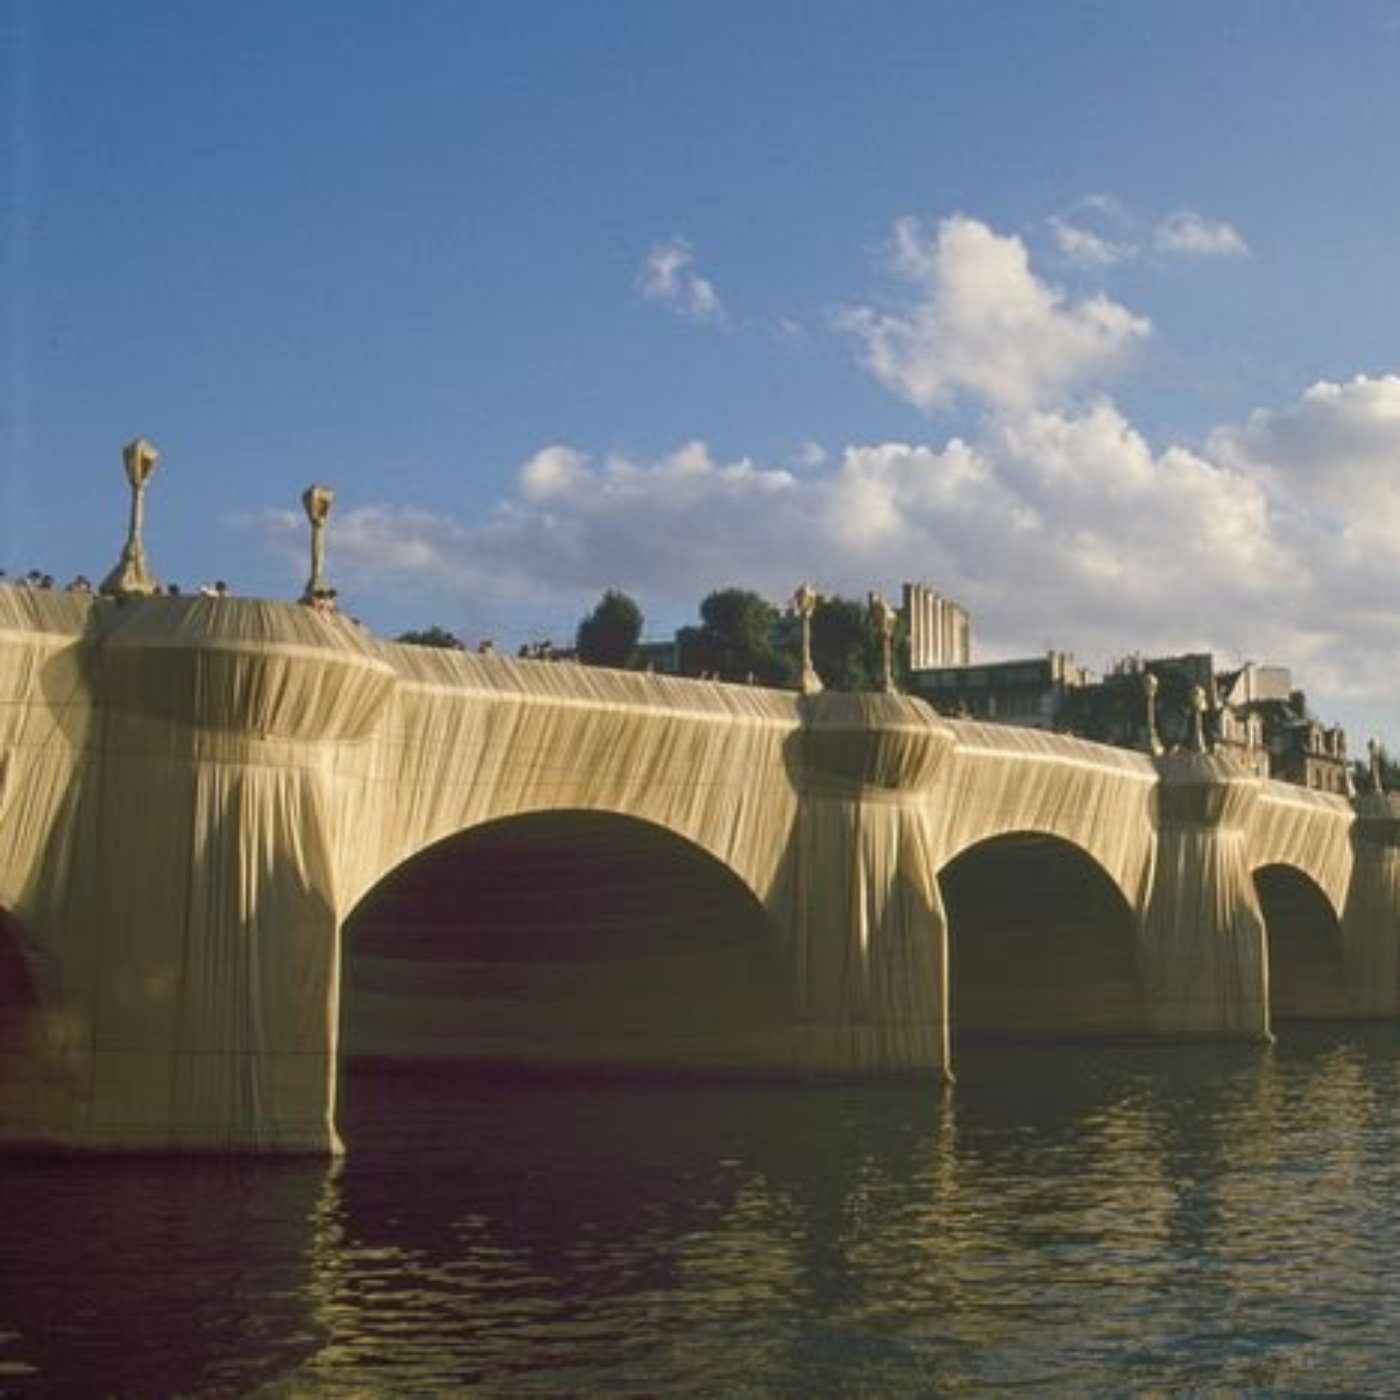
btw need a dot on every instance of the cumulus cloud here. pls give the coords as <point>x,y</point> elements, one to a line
<point>1030,524</point>
<point>1054,519</point>
<point>1336,447</point>
<point>1086,247</point>
<point>1186,234</point>
<point>1330,459</point>
<point>669,278</point>
<point>1099,232</point>
<point>1055,526</point>
<point>981,324</point>
<point>553,471</point>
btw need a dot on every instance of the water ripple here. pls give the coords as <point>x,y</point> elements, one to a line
<point>1072,1221</point>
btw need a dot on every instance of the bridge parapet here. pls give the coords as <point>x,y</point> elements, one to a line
<point>1204,790</point>
<point>257,669</point>
<point>42,659</point>
<point>851,742</point>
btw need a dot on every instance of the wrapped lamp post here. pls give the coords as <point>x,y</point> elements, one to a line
<point>317,501</point>
<point>884,618</point>
<point>131,578</point>
<point>805,601</point>
<point>1149,691</point>
<point>1196,709</point>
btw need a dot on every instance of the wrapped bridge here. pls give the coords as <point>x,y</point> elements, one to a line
<point>241,840</point>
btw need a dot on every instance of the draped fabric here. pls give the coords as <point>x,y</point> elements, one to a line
<point>197,794</point>
<point>1310,831</point>
<point>1203,940</point>
<point>1002,780</point>
<point>1371,918</point>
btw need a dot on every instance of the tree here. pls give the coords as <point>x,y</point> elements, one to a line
<point>845,649</point>
<point>735,640</point>
<point>608,636</point>
<point>433,636</point>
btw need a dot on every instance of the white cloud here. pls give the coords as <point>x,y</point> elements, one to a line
<point>1056,521</point>
<point>551,472</point>
<point>1086,248</point>
<point>982,325</point>
<point>1186,234</point>
<point>1102,203</point>
<point>1099,232</point>
<point>1335,445</point>
<point>1055,526</point>
<point>1029,525</point>
<point>668,278</point>
<point>1332,459</point>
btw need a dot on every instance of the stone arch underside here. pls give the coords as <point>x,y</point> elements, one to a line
<point>1042,944</point>
<point>1306,971</point>
<point>564,939</point>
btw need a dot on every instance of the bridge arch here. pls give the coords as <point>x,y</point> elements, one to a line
<point>1042,943</point>
<point>1306,971</point>
<point>562,938</point>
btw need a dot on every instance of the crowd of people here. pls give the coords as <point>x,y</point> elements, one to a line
<point>34,579</point>
<point>80,583</point>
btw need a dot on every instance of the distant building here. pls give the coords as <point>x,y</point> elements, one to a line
<point>1115,709</point>
<point>1252,683</point>
<point>1032,693</point>
<point>939,630</point>
<point>1300,747</point>
<point>1252,713</point>
<point>1312,755</point>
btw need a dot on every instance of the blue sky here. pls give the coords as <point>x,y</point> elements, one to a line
<point>1084,313</point>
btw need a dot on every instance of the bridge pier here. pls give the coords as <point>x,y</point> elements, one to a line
<point>1371,915</point>
<point>180,896</point>
<point>1204,952</point>
<point>195,1008</point>
<point>872,941</point>
<point>870,934</point>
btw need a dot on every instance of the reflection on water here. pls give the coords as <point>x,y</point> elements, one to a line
<point>1070,1218</point>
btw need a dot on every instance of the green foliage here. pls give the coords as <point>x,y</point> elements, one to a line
<point>846,648</point>
<point>608,636</point>
<point>434,636</point>
<point>735,640</point>
<point>743,637</point>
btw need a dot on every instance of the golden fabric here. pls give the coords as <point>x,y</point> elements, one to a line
<point>196,793</point>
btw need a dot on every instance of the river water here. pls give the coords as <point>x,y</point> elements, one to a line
<point>1064,1220</point>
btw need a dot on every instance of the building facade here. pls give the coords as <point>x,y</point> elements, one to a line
<point>1033,692</point>
<point>939,630</point>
